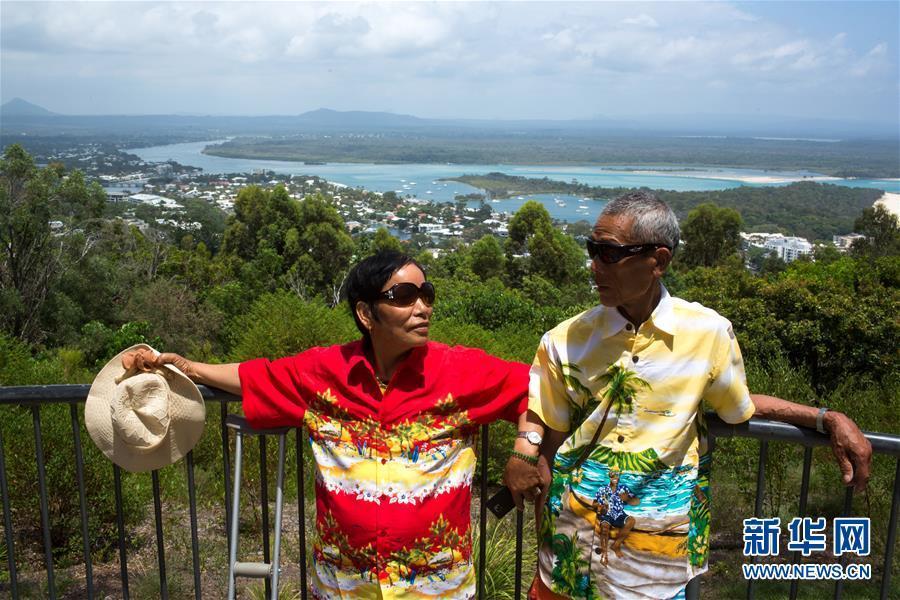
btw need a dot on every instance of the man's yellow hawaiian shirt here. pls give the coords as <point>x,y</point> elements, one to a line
<point>649,383</point>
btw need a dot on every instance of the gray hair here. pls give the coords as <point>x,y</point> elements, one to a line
<point>654,221</point>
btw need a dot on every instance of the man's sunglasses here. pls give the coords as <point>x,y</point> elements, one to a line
<point>609,252</point>
<point>406,294</point>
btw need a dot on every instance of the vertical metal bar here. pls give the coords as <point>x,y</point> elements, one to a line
<point>848,508</point>
<point>160,545</point>
<point>301,510</point>
<point>45,512</point>
<point>226,468</point>
<point>264,501</point>
<point>801,511</point>
<point>82,501</point>
<point>7,524</point>
<point>235,511</point>
<point>482,509</point>
<point>692,589</point>
<point>279,501</point>
<point>760,494</point>
<point>195,543</point>
<point>120,524</point>
<point>891,536</point>
<point>520,525</point>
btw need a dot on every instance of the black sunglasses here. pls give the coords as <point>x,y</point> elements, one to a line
<point>406,294</point>
<point>610,253</point>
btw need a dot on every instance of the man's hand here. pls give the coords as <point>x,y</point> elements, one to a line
<point>852,450</point>
<point>524,480</point>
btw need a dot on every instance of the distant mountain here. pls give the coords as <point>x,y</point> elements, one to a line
<point>22,108</point>
<point>21,117</point>
<point>325,117</point>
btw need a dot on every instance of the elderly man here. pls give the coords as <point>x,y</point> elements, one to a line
<point>617,392</point>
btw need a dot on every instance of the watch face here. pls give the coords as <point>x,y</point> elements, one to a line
<point>534,437</point>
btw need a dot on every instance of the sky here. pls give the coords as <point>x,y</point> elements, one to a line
<point>509,60</point>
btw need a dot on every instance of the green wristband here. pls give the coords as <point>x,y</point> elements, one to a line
<point>531,460</point>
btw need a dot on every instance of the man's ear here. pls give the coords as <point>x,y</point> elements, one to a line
<point>663,258</point>
<point>364,312</point>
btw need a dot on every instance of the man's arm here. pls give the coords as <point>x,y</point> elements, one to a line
<point>852,450</point>
<point>525,480</point>
<point>224,377</point>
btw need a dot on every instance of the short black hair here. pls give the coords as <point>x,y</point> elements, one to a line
<point>365,280</point>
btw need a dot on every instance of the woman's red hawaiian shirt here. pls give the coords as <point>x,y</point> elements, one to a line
<point>393,469</point>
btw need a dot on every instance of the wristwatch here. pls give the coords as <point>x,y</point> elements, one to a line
<point>820,420</point>
<point>533,437</point>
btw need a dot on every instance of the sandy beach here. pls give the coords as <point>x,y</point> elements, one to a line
<point>759,179</point>
<point>891,202</point>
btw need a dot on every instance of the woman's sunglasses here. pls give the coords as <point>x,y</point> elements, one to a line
<point>610,253</point>
<point>406,294</point>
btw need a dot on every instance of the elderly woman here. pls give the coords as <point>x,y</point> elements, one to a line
<point>391,419</point>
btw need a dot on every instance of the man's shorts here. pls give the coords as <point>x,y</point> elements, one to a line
<point>618,523</point>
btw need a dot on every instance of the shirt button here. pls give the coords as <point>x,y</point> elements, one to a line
<point>634,358</point>
<point>621,438</point>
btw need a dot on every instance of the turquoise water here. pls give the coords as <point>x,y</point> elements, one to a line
<point>422,180</point>
<point>667,492</point>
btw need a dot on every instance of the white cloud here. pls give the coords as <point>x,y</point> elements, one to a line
<point>384,53</point>
<point>642,20</point>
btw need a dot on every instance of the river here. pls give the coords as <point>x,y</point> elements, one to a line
<point>423,180</point>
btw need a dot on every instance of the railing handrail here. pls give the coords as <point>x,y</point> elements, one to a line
<point>757,428</point>
<point>78,392</point>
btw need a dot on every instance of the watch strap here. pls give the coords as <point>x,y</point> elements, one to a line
<point>820,420</point>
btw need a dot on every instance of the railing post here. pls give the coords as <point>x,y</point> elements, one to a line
<point>301,511</point>
<point>45,513</point>
<point>891,536</point>
<point>7,524</point>
<point>801,509</point>
<point>195,542</point>
<point>482,511</point>
<point>120,525</point>
<point>160,544</point>
<point>758,504</point>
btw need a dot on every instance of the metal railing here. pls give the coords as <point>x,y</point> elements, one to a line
<point>34,397</point>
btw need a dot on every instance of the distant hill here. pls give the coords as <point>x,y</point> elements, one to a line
<point>22,108</point>
<point>325,117</point>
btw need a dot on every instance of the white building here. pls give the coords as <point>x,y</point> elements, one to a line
<point>843,242</point>
<point>788,249</point>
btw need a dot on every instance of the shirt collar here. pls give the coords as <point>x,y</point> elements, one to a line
<point>357,358</point>
<point>662,317</point>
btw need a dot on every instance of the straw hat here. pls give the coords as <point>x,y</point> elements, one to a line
<point>143,419</point>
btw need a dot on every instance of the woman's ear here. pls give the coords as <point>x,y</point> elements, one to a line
<point>364,313</point>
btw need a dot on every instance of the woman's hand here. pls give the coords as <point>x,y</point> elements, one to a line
<point>184,365</point>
